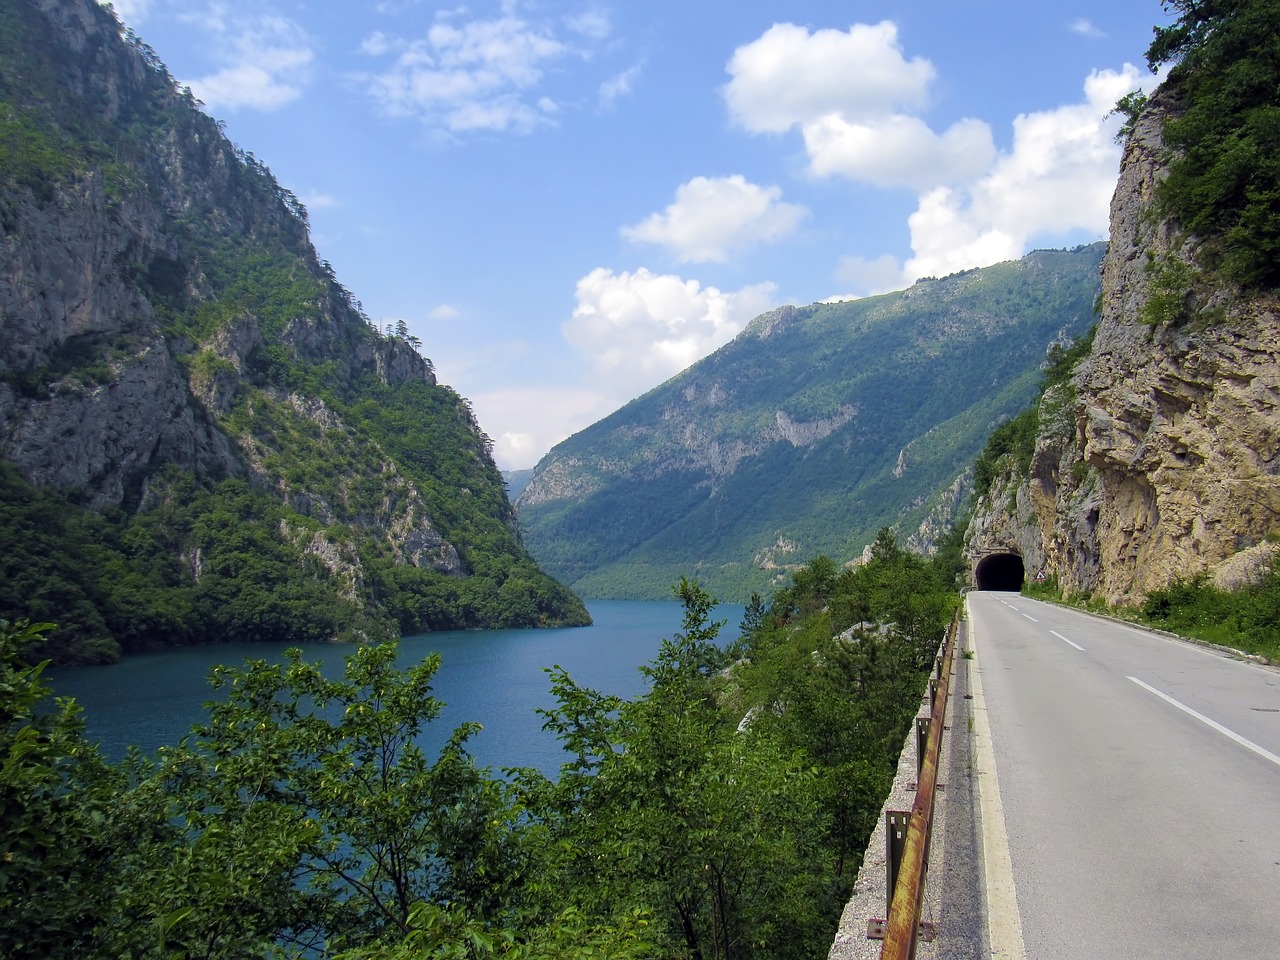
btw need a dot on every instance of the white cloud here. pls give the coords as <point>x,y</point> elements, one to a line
<point>868,276</point>
<point>898,150</point>
<point>1057,178</point>
<point>639,329</point>
<point>131,12</point>
<point>315,200</point>
<point>444,311</point>
<point>712,217</point>
<point>1086,28</point>
<point>378,44</point>
<point>854,96</point>
<point>593,24</point>
<point>618,86</point>
<point>790,77</point>
<point>535,419</point>
<point>268,60</point>
<point>478,74</point>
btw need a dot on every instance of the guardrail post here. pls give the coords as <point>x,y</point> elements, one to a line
<point>922,742</point>
<point>896,823</point>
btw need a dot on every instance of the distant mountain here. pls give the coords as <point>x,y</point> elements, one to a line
<point>806,434</point>
<point>202,437</point>
<point>516,481</point>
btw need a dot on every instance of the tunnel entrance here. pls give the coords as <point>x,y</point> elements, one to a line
<point>999,571</point>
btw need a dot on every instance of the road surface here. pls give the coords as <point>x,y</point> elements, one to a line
<point>1135,796</point>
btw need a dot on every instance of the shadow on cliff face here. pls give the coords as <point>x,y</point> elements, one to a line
<point>1000,571</point>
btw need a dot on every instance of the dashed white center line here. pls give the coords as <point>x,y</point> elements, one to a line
<point>1226,732</point>
<point>1072,642</point>
<point>1031,618</point>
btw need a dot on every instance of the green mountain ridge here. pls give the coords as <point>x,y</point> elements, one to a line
<point>805,435</point>
<point>202,436</point>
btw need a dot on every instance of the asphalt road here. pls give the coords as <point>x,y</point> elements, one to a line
<point>1139,783</point>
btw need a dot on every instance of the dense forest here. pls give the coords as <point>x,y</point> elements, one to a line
<point>722,813</point>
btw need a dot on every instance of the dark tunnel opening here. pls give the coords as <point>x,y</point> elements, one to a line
<point>1000,571</point>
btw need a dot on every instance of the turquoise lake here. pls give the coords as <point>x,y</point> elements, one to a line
<point>496,678</point>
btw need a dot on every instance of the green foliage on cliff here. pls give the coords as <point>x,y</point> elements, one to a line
<point>210,565</point>
<point>1223,183</point>
<point>805,435</point>
<point>1009,449</point>
<point>325,484</point>
<point>721,813</point>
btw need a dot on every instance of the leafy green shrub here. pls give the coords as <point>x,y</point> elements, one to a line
<point>1247,619</point>
<point>1223,183</point>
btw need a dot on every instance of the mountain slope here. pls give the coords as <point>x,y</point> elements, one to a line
<point>811,430</point>
<point>203,436</point>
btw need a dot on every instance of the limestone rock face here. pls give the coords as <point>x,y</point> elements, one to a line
<point>1170,468</point>
<point>95,394</point>
<point>64,301</point>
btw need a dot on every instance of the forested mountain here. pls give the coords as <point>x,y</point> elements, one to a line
<point>808,433</point>
<point>203,437</point>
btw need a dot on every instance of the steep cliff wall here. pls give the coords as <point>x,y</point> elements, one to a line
<point>1164,462</point>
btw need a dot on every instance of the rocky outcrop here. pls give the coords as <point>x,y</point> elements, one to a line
<point>1168,466</point>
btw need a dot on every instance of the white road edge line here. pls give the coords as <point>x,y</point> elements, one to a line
<point>1225,731</point>
<point>1004,921</point>
<point>1072,642</point>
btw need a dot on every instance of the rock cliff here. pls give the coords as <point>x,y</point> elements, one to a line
<point>1160,461</point>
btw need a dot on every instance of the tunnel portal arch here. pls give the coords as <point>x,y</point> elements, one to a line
<point>1000,571</point>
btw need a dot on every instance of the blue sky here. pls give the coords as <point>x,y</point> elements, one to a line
<point>570,201</point>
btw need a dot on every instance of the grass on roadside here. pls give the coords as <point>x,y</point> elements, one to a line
<point>1247,619</point>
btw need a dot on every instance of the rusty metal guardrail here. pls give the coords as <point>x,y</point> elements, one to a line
<point>909,832</point>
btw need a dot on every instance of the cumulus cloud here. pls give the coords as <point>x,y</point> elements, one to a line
<point>854,95</point>
<point>444,311</point>
<point>535,419</point>
<point>639,329</point>
<point>898,150</point>
<point>478,74</point>
<point>858,102</point>
<point>713,216</point>
<point>1057,178</point>
<point>791,76</point>
<point>268,60</point>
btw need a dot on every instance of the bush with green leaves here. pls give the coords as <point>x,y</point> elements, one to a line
<point>1223,183</point>
<point>1245,619</point>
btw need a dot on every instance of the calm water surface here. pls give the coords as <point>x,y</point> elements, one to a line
<point>495,678</point>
